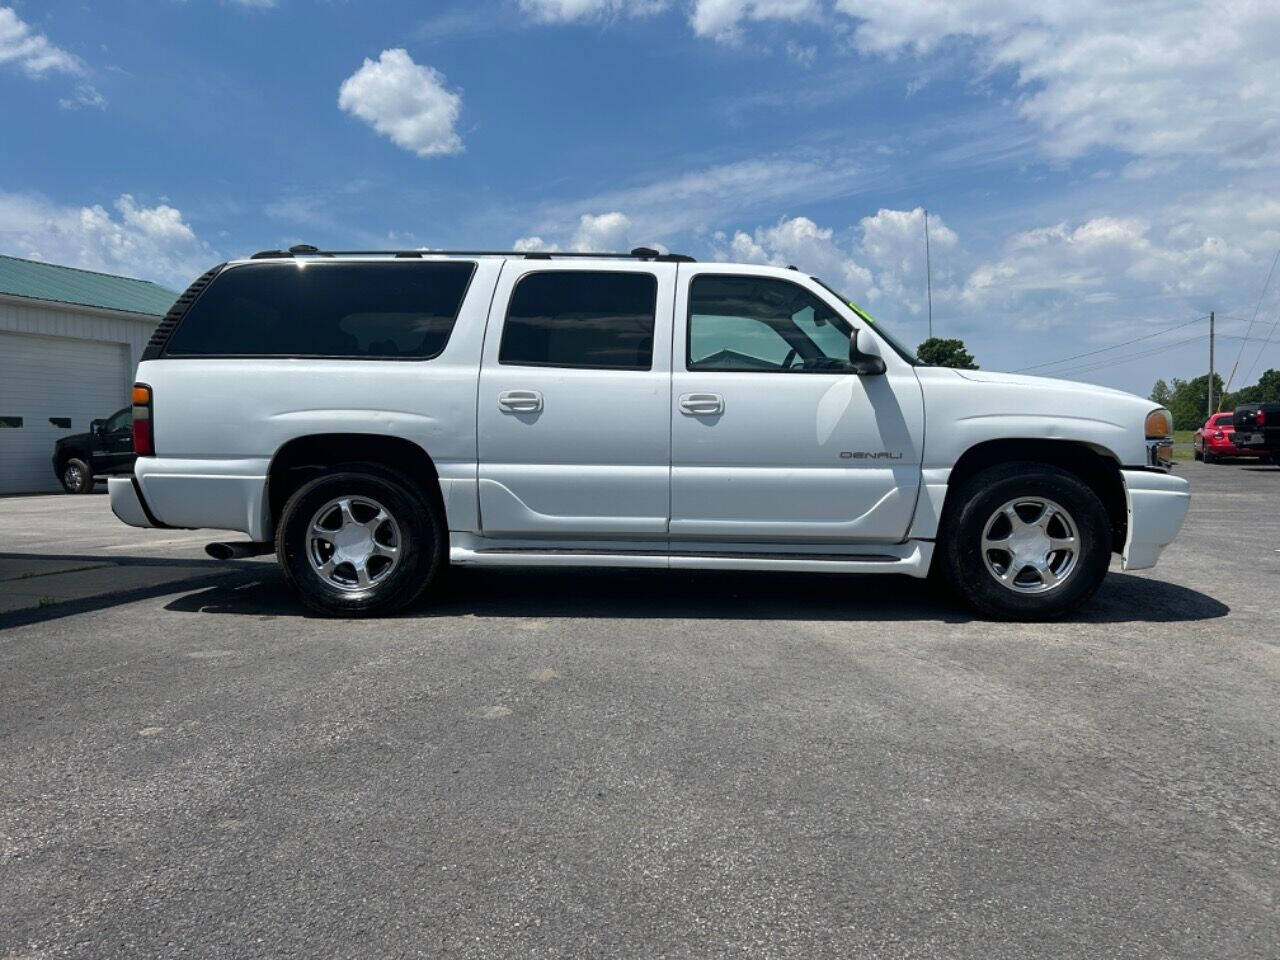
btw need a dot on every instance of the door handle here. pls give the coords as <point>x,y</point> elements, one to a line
<point>520,401</point>
<point>701,404</point>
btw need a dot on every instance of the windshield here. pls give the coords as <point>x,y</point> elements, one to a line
<point>898,347</point>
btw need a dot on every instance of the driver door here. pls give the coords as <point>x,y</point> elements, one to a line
<point>774,437</point>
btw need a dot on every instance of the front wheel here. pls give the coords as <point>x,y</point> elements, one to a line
<point>1025,541</point>
<point>360,540</point>
<point>76,476</point>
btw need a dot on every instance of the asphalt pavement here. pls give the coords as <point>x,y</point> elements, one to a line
<point>635,764</point>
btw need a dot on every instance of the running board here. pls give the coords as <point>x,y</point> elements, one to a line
<point>910,558</point>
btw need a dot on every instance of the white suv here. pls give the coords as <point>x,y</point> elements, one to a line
<point>377,415</point>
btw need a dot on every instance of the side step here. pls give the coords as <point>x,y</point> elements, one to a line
<point>910,558</point>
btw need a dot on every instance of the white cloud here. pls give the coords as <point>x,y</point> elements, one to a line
<point>406,102</point>
<point>565,11</point>
<point>893,243</point>
<point>535,245</point>
<point>154,243</point>
<point>886,266</point>
<point>1148,77</point>
<point>1107,259</point>
<point>606,233</point>
<point>702,199</point>
<point>595,233</point>
<point>31,52</point>
<point>806,56</point>
<point>722,19</point>
<point>86,96</point>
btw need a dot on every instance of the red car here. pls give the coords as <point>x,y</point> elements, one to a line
<point>1213,440</point>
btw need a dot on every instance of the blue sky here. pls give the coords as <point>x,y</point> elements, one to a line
<point>1095,172</point>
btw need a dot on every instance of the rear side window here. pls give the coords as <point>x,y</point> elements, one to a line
<point>581,318</point>
<point>392,311</point>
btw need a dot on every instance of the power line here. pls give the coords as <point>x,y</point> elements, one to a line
<point>1090,367</point>
<point>1114,346</point>
<point>1128,358</point>
<point>1261,297</point>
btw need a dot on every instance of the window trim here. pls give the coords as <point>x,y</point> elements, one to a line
<point>167,354</point>
<point>688,326</point>
<point>506,317</point>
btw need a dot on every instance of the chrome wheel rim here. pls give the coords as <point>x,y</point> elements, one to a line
<point>353,543</point>
<point>72,478</point>
<point>1030,545</point>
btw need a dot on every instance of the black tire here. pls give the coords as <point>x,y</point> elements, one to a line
<point>1208,457</point>
<point>76,476</point>
<point>421,543</point>
<point>1197,454</point>
<point>975,505</point>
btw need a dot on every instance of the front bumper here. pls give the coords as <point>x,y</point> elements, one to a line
<point>1157,504</point>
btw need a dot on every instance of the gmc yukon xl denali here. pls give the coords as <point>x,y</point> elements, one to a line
<point>374,416</point>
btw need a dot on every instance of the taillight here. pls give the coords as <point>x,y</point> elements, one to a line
<point>1261,419</point>
<point>143,441</point>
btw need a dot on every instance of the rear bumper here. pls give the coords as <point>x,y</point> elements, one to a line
<point>126,502</point>
<point>217,494</point>
<point>1157,504</point>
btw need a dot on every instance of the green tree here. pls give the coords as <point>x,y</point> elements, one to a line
<point>1266,390</point>
<point>1161,393</point>
<point>937,352</point>
<point>1189,400</point>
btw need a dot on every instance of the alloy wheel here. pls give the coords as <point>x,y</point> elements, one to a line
<point>353,543</point>
<point>1030,545</point>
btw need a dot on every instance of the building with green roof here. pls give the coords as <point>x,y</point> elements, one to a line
<point>70,340</point>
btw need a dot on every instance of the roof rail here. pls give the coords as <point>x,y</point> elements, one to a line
<point>306,250</point>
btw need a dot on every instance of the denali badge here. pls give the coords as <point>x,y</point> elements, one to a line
<point>869,455</point>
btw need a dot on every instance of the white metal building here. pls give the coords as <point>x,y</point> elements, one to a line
<point>70,341</point>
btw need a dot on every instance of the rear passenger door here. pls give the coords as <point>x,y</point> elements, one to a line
<point>113,444</point>
<point>575,388</point>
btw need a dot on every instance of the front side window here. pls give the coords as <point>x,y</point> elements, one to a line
<point>581,318</point>
<point>400,311</point>
<point>120,420</point>
<point>765,325</point>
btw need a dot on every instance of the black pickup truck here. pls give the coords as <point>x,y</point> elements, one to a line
<point>106,449</point>
<point>1257,428</point>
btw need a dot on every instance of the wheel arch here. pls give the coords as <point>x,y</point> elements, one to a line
<point>301,458</point>
<point>1094,465</point>
<point>67,453</point>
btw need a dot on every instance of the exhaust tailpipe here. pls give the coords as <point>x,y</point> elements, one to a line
<point>238,551</point>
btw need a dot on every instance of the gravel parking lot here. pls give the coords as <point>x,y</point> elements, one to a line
<point>581,764</point>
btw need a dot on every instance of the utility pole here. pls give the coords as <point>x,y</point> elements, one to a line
<point>1211,363</point>
<point>928,272</point>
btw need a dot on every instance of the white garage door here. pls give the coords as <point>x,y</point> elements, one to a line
<point>48,379</point>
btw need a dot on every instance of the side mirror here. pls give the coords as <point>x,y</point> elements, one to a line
<point>864,354</point>
<point>95,426</point>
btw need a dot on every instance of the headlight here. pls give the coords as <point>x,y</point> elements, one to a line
<point>1160,425</point>
<point>1159,429</point>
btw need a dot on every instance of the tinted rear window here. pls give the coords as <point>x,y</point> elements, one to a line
<point>402,310</point>
<point>580,318</point>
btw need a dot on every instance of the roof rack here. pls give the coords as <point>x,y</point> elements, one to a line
<point>306,250</point>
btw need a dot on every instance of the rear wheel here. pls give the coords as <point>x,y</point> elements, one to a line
<point>1197,454</point>
<point>1025,541</point>
<point>76,476</point>
<point>360,540</point>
